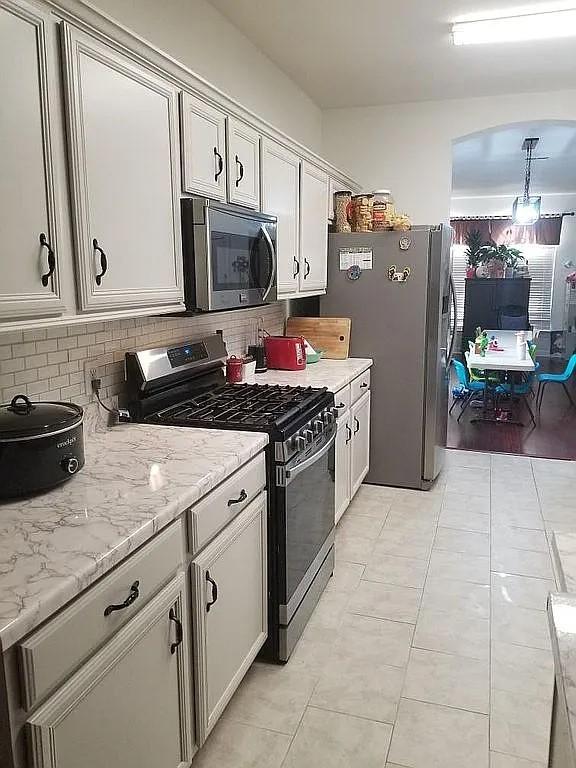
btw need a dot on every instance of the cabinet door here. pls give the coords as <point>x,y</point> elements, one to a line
<point>281,196</point>
<point>130,705</point>
<point>29,192</point>
<point>360,459</point>
<point>342,466</point>
<point>230,610</point>
<point>243,164</point>
<point>125,177</point>
<point>313,229</point>
<point>203,148</point>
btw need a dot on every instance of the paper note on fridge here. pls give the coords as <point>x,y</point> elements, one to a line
<point>361,257</point>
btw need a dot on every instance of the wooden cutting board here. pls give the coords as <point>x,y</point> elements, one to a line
<point>330,334</point>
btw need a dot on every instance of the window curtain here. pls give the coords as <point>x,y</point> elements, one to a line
<point>546,231</point>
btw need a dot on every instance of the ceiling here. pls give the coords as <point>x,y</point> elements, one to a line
<point>372,52</point>
<point>492,161</point>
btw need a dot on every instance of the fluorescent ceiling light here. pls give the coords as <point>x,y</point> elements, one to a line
<point>528,26</point>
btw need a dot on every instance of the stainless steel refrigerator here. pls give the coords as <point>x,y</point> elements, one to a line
<point>396,287</point>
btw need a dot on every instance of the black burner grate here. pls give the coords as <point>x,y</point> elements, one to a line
<point>249,404</point>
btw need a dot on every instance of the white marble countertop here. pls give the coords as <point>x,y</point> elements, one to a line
<point>564,555</point>
<point>562,621</point>
<point>333,374</point>
<point>136,480</point>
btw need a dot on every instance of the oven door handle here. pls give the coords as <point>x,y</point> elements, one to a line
<point>272,251</point>
<point>290,474</point>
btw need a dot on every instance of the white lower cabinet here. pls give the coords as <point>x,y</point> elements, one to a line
<point>342,463</point>
<point>352,459</point>
<point>130,705</point>
<point>230,597</point>
<point>360,458</point>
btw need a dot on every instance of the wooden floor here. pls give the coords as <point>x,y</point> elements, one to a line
<point>554,436</point>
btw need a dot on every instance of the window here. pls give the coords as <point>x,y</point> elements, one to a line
<point>541,264</point>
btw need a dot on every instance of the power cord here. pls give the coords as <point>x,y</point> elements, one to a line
<point>120,413</point>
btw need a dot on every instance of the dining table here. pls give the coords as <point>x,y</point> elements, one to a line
<point>507,358</point>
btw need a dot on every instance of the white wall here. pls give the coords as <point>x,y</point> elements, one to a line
<point>408,147</point>
<point>196,34</point>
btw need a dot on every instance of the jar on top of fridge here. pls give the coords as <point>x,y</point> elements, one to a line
<point>383,210</point>
<point>361,208</point>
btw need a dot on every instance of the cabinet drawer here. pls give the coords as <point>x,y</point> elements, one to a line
<point>342,399</point>
<point>360,385</point>
<point>221,506</point>
<point>56,649</point>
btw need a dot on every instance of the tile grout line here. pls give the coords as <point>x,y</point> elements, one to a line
<point>416,622</point>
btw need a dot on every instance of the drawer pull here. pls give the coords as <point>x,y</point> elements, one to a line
<point>179,632</point>
<point>134,595</point>
<point>243,496</point>
<point>357,425</point>
<point>211,581</point>
<point>341,405</point>
<point>363,385</point>
<point>349,434</point>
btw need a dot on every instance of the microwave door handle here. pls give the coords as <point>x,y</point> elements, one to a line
<point>272,251</point>
<point>290,474</point>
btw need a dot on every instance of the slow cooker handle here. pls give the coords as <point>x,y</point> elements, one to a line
<point>17,407</point>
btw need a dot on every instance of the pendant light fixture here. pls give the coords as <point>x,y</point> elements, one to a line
<point>526,209</point>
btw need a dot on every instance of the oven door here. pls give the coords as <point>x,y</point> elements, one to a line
<point>305,494</point>
<point>241,259</point>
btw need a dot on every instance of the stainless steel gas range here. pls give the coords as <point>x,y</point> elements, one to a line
<point>184,385</point>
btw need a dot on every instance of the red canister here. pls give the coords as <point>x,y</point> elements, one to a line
<point>234,370</point>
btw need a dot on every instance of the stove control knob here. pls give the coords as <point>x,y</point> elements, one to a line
<point>70,465</point>
<point>328,418</point>
<point>308,435</point>
<point>299,442</point>
<point>318,426</point>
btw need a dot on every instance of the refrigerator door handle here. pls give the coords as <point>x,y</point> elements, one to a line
<point>455,314</point>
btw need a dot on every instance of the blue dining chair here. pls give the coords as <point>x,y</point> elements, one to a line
<point>558,378</point>
<point>471,387</point>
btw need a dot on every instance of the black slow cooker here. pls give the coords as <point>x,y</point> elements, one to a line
<point>41,445</point>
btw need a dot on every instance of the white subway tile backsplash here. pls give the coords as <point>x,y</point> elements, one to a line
<point>68,342</point>
<point>26,377</point>
<point>13,365</point>
<point>57,333</point>
<point>59,360</point>
<point>36,335</point>
<point>21,350</point>
<point>57,357</point>
<point>50,345</point>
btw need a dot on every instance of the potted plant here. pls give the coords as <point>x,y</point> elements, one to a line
<point>500,259</point>
<point>473,251</point>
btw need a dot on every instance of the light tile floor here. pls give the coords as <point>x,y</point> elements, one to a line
<point>430,646</point>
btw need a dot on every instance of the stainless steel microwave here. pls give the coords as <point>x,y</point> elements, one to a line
<point>229,255</point>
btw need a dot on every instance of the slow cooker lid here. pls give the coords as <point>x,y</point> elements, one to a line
<point>23,418</point>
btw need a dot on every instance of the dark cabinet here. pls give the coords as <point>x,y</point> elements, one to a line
<point>488,300</point>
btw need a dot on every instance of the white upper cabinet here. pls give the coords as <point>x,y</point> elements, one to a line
<point>313,229</point>
<point>281,197</point>
<point>30,283</point>
<point>203,148</point>
<point>125,174</point>
<point>243,150</point>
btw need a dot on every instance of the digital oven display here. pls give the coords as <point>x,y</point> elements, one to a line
<point>189,353</point>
